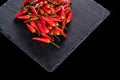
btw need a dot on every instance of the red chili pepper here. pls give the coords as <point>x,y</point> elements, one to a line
<point>53,15</point>
<point>31,19</point>
<point>33,15</point>
<point>51,33</point>
<point>52,10</point>
<point>56,32</point>
<point>45,40</point>
<point>31,28</point>
<point>40,28</point>
<point>57,9</point>
<point>32,8</point>
<point>32,23</point>
<point>61,31</point>
<point>54,19</point>
<point>41,11</point>
<point>46,10</point>
<point>64,23</point>
<point>47,36</point>
<point>66,5</point>
<point>21,13</point>
<point>25,17</point>
<point>64,1</point>
<point>41,4</point>
<point>50,27</point>
<point>36,1</point>
<point>26,2</point>
<point>69,17</point>
<point>45,2</point>
<point>47,6</point>
<point>44,26</point>
<point>49,21</point>
<point>62,13</point>
<point>67,11</point>
<point>34,19</point>
<point>57,24</point>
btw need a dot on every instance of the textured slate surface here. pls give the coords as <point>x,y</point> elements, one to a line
<point>87,15</point>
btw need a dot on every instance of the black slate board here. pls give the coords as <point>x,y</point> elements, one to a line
<point>87,15</point>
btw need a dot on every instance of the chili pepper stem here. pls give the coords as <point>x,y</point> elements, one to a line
<point>54,44</point>
<point>37,33</point>
<point>57,38</point>
<point>65,27</point>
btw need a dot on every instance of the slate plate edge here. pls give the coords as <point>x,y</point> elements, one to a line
<point>105,15</point>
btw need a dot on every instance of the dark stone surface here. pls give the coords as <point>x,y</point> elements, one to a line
<point>87,15</point>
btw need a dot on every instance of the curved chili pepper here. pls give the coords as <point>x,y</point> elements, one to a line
<point>45,40</point>
<point>46,10</point>
<point>52,10</point>
<point>47,6</point>
<point>31,28</point>
<point>36,1</point>
<point>66,5</point>
<point>26,2</point>
<point>56,32</point>
<point>21,13</point>
<point>45,2</point>
<point>44,26</point>
<point>67,11</point>
<point>61,31</point>
<point>49,21</point>
<point>54,19</point>
<point>41,4</point>
<point>62,13</point>
<point>25,17</point>
<point>47,36</point>
<point>34,18</point>
<point>64,23</point>
<point>41,11</point>
<point>69,17</point>
<point>50,27</point>
<point>32,23</point>
<point>32,8</point>
<point>57,9</point>
<point>39,26</point>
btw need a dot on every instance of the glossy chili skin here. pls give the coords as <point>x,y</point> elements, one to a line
<point>47,18</point>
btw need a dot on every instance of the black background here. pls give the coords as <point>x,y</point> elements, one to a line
<point>95,57</point>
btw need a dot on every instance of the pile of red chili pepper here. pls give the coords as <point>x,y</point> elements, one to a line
<point>46,18</point>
